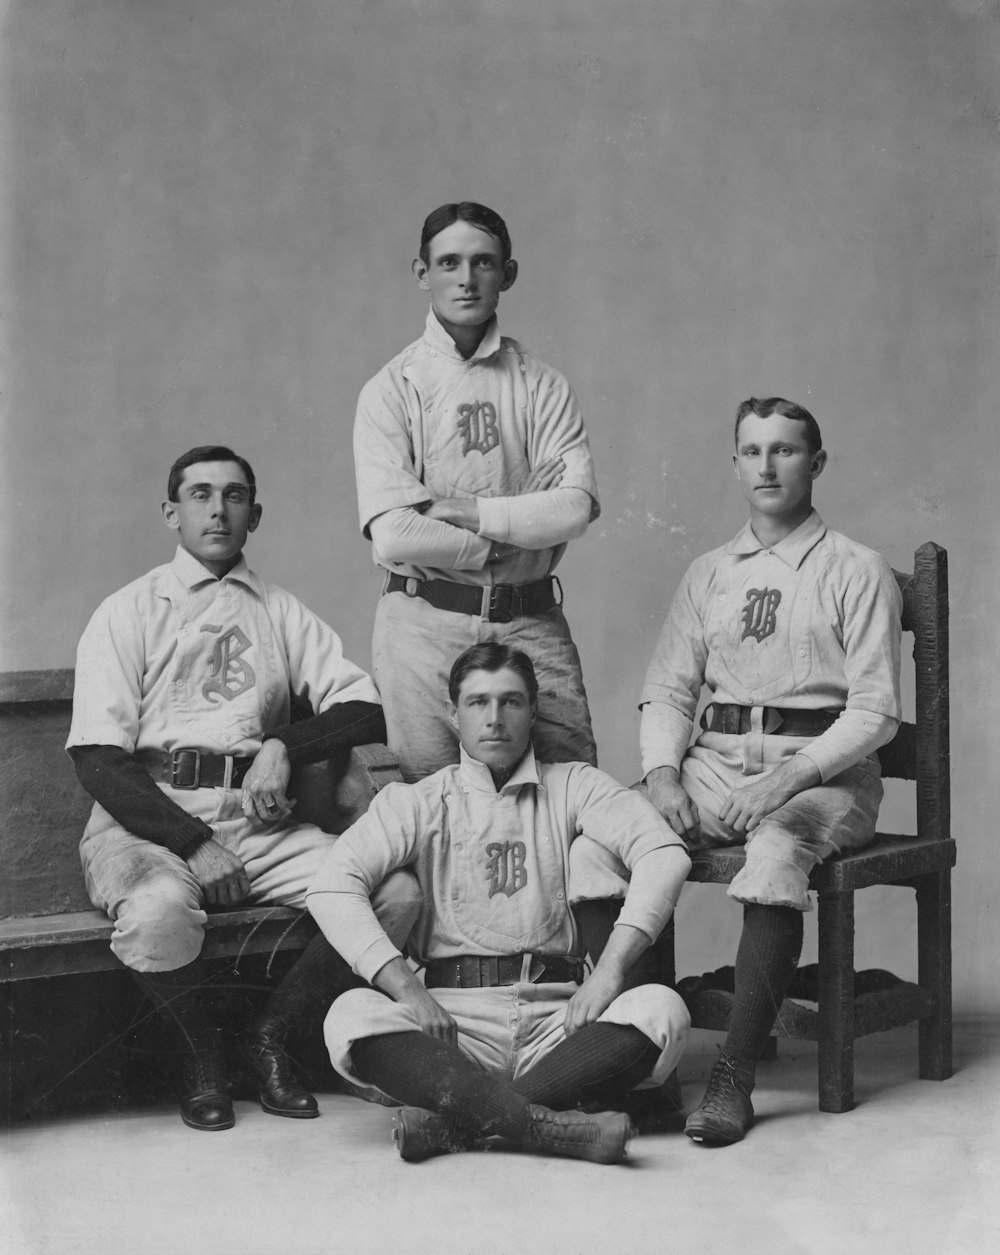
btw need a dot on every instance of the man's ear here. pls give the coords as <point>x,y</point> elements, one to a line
<point>452,713</point>
<point>509,274</point>
<point>419,269</point>
<point>256,510</point>
<point>736,466</point>
<point>817,464</point>
<point>170,517</point>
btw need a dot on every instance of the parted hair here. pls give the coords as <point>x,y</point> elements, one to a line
<point>467,211</point>
<point>208,453</point>
<point>787,409</point>
<point>492,656</point>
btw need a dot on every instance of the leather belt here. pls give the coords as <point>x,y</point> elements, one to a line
<point>475,971</point>
<point>733,720</point>
<point>191,769</point>
<point>496,603</point>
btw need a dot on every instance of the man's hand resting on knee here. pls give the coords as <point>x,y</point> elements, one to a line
<point>223,877</point>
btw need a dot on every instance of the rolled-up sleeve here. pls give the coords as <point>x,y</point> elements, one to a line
<point>339,899</point>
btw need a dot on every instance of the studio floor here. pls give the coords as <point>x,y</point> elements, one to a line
<point>914,1168</point>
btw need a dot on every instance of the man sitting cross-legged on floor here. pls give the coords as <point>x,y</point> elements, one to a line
<point>506,1035</point>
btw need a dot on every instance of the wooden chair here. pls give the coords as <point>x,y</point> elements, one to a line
<point>921,862</point>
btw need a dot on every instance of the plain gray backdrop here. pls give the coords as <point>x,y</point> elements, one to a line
<point>208,212</point>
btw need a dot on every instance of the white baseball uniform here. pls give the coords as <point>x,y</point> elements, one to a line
<point>493,868</point>
<point>181,659</point>
<point>811,623</point>
<point>433,425</point>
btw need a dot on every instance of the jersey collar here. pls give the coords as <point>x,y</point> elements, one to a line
<point>439,340</point>
<point>193,575</point>
<point>792,549</point>
<point>477,774</point>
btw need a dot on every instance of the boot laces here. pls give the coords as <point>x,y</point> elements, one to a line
<point>725,1079</point>
<point>203,1072</point>
<point>569,1132</point>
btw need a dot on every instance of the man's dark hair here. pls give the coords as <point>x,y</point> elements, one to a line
<point>466,211</point>
<point>208,453</point>
<point>492,656</point>
<point>787,409</point>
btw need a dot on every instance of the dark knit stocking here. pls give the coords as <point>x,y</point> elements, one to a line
<point>765,965</point>
<point>309,988</point>
<point>184,999</point>
<point>422,1071</point>
<point>597,1064</point>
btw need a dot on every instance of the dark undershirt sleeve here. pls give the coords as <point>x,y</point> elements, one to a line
<point>120,783</point>
<point>128,793</point>
<point>338,727</point>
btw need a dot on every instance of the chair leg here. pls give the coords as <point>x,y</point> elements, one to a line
<point>836,1002</point>
<point>934,972</point>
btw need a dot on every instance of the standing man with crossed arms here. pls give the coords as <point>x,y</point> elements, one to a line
<point>473,472</point>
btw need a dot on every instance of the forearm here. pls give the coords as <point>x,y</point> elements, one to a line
<point>855,735</point>
<point>406,535</point>
<point>623,948</point>
<point>537,520</point>
<point>340,726</point>
<point>120,784</point>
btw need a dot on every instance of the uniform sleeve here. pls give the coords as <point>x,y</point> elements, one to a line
<point>674,679</point>
<point>318,671</point>
<point>339,899</point>
<point>383,456</point>
<point>872,637</point>
<point>407,536</point>
<point>623,822</point>
<point>538,520</point>
<point>558,430</point>
<point>107,692</point>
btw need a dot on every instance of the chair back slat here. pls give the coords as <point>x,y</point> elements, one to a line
<point>930,655</point>
<point>898,759</point>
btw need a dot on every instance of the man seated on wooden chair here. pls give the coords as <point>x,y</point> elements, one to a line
<point>181,734</point>
<point>795,631</point>
<point>506,1035</point>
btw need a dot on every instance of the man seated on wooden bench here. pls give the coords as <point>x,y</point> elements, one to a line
<point>181,734</point>
<point>795,630</point>
<point>506,1035</point>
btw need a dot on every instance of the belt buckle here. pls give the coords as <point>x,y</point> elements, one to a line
<point>176,769</point>
<point>501,608</point>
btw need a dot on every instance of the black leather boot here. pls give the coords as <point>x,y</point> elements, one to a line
<point>311,986</point>
<point>180,997</point>
<point>205,1101</point>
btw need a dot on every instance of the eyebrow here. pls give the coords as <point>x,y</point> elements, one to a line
<point>505,693</point>
<point>233,484</point>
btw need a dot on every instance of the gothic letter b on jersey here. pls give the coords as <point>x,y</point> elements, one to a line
<point>759,615</point>
<point>231,675</point>
<point>506,871</point>
<point>477,421</point>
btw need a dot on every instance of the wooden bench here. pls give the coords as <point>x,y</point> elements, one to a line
<point>47,925</point>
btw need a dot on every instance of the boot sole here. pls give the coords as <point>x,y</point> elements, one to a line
<point>707,1137</point>
<point>289,1115</point>
<point>208,1128</point>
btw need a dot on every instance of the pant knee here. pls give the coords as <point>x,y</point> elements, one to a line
<point>397,902</point>
<point>776,872</point>
<point>159,926</point>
